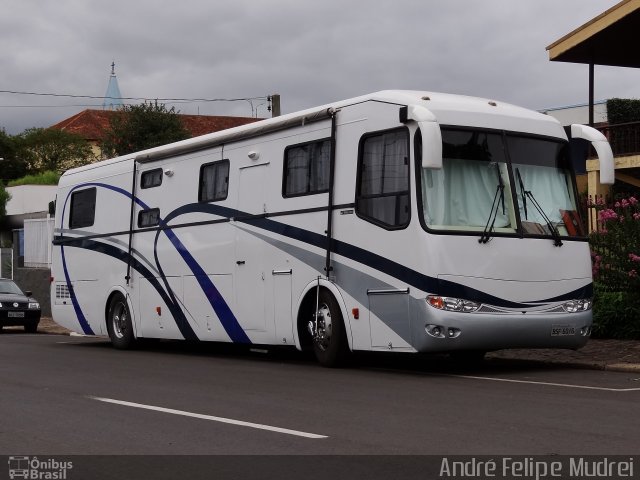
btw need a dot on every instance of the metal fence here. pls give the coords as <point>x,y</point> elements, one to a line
<point>624,138</point>
<point>38,235</point>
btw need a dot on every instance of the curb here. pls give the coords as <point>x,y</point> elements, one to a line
<point>609,367</point>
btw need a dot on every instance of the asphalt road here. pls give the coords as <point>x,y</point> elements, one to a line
<point>76,395</point>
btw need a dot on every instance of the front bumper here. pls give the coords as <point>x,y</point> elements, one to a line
<point>18,317</point>
<point>490,331</point>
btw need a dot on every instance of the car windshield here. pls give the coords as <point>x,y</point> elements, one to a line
<point>7,286</point>
<point>473,190</point>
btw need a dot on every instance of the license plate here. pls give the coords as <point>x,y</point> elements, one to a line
<point>15,314</point>
<point>562,330</point>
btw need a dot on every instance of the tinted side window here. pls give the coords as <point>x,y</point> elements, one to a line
<point>214,181</point>
<point>383,181</point>
<point>83,208</point>
<point>306,168</point>
<point>152,178</point>
<point>149,218</point>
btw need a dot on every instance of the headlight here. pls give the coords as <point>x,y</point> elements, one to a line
<point>452,304</point>
<point>34,305</point>
<point>0,304</point>
<point>582,305</point>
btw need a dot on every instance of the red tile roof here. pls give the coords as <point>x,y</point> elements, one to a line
<point>91,124</point>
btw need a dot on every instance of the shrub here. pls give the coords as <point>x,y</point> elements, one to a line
<point>616,314</point>
<point>44,178</point>
<point>621,110</point>
<point>615,255</point>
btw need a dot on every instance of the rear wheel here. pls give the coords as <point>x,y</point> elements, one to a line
<point>119,323</point>
<point>328,332</point>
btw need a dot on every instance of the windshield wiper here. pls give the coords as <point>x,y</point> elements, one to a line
<point>488,228</point>
<point>486,233</point>
<point>522,193</point>
<point>555,234</point>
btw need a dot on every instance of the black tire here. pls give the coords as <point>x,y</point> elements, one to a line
<point>330,343</point>
<point>31,327</point>
<point>119,323</point>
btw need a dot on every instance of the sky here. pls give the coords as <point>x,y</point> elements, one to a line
<point>309,52</point>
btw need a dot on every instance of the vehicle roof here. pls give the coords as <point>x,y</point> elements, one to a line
<point>448,109</point>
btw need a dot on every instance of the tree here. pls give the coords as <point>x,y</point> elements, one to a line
<point>50,149</point>
<point>138,127</point>
<point>12,166</point>
<point>4,198</point>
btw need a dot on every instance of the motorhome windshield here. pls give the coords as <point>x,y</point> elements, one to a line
<point>473,191</point>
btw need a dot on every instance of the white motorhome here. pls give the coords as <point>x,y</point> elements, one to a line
<point>398,221</point>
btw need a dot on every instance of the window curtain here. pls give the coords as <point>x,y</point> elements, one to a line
<point>461,194</point>
<point>551,188</point>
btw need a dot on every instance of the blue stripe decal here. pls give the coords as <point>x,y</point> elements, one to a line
<point>119,254</point>
<point>217,302</point>
<point>82,319</point>
<point>377,262</point>
<point>215,298</point>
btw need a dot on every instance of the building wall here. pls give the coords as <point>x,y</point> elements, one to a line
<point>578,113</point>
<point>27,199</point>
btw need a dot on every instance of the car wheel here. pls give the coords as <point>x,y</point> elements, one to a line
<point>119,323</point>
<point>31,327</point>
<point>328,332</point>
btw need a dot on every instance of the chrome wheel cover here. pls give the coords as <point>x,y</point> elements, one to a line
<point>324,327</point>
<point>119,316</point>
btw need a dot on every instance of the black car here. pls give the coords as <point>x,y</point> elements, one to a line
<point>18,308</point>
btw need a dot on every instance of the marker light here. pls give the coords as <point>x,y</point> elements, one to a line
<point>452,304</point>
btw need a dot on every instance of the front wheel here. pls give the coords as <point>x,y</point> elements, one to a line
<point>328,332</point>
<point>119,323</point>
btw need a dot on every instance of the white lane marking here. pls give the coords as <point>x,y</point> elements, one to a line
<point>210,417</point>
<point>551,384</point>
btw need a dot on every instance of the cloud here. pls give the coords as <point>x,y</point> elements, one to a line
<point>310,52</point>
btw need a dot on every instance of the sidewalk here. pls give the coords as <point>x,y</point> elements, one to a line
<point>613,355</point>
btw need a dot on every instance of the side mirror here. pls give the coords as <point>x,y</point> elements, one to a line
<point>430,133</point>
<point>602,148</point>
<point>28,293</point>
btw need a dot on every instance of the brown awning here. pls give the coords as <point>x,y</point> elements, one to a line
<point>609,39</point>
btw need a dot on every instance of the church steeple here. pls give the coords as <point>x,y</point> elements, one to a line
<point>113,97</point>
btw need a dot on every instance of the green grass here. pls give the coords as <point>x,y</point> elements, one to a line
<point>44,178</point>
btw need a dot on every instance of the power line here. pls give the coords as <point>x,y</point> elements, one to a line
<point>94,97</point>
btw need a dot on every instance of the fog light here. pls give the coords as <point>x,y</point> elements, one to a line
<point>453,332</point>
<point>435,330</point>
<point>585,331</point>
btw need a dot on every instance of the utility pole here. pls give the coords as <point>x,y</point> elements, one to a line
<point>275,105</point>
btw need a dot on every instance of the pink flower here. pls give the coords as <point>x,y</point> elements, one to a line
<point>633,273</point>
<point>636,216</point>
<point>634,258</point>
<point>633,200</point>
<point>625,203</point>
<point>621,218</point>
<point>617,204</point>
<point>607,214</point>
